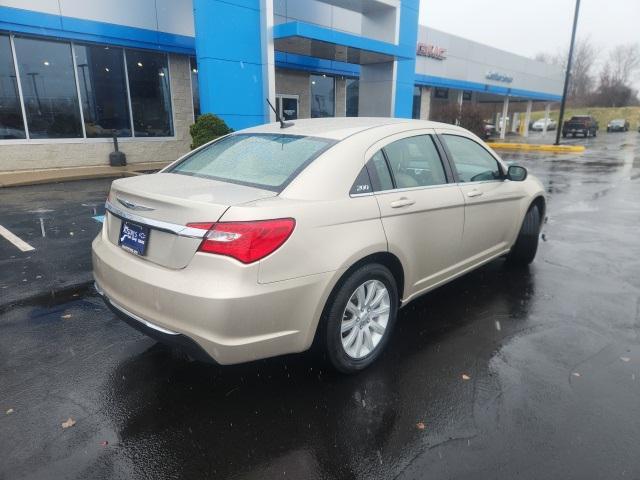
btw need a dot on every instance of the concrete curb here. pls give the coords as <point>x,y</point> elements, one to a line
<point>49,175</point>
<point>539,148</point>
<point>52,297</point>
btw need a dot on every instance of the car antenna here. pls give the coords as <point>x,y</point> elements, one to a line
<point>283,124</point>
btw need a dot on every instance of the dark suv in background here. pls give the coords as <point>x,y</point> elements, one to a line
<point>580,124</point>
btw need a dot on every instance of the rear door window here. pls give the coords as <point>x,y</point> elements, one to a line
<point>268,161</point>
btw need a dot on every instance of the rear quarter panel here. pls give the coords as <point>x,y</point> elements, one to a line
<point>329,235</point>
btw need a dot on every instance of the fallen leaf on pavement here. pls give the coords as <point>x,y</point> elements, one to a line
<point>104,444</point>
<point>466,377</point>
<point>70,422</point>
<point>10,411</point>
<point>420,425</point>
<point>625,359</point>
<point>66,317</point>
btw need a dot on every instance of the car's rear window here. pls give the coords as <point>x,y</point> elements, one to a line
<point>263,160</point>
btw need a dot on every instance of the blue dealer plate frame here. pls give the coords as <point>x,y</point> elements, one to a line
<point>134,238</point>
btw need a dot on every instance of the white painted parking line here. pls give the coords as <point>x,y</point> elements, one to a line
<point>17,241</point>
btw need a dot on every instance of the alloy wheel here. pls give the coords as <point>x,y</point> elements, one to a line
<point>365,319</point>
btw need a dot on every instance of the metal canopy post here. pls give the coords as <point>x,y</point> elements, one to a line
<point>527,118</point>
<point>567,75</point>
<point>503,120</point>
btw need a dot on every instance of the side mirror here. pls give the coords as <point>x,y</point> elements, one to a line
<point>516,173</point>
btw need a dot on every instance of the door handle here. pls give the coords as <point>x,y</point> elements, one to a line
<point>474,193</point>
<point>402,202</point>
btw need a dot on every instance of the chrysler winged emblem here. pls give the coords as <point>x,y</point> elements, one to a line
<point>135,206</point>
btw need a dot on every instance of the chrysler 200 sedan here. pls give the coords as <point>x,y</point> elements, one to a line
<point>270,240</point>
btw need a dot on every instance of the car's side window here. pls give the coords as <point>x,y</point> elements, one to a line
<point>379,173</point>
<point>472,161</point>
<point>415,162</point>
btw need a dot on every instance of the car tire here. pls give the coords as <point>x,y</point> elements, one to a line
<point>524,250</point>
<point>595,133</point>
<point>338,315</point>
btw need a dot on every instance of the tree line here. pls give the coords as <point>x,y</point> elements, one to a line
<point>597,81</point>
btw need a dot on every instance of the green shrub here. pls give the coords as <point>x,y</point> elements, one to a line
<point>207,127</point>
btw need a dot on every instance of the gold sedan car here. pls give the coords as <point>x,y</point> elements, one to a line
<point>271,239</point>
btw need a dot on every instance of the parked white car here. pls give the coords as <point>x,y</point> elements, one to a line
<point>538,125</point>
<point>270,238</point>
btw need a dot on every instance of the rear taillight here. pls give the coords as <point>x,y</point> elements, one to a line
<point>245,241</point>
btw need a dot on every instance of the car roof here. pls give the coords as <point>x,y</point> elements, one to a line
<point>339,128</point>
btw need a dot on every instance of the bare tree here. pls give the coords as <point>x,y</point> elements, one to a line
<point>582,78</point>
<point>616,78</point>
<point>544,57</point>
<point>582,82</point>
<point>624,61</point>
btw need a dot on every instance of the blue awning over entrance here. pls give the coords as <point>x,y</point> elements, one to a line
<point>314,41</point>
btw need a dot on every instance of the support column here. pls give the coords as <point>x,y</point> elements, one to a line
<point>547,110</point>
<point>425,103</point>
<point>527,118</point>
<point>341,97</point>
<point>236,66</point>
<point>405,67</point>
<point>459,100</point>
<point>376,92</point>
<point>503,120</point>
<point>514,122</point>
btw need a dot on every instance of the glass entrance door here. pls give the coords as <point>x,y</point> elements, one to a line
<point>287,106</point>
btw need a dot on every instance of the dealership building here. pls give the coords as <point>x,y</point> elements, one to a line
<point>74,72</point>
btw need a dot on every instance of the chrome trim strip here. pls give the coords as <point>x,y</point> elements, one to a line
<point>181,230</point>
<point>420,187</point>
<point>356,195</point>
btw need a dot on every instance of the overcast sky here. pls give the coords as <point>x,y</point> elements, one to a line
<point>527,27</point>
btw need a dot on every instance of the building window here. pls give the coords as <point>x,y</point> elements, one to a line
<point>48,88</point>
<point>150,93</point>
<point>323,95</point>
<point>442,93</point>
<point>103,91</point>
<point>353,92</point>
<point>110,88</point>
<point>11,121</point>
<point>467,95</point>
<point>417,97</point>
<point>195,87</point>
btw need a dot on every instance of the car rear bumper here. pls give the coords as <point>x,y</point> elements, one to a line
<point>163,335</point>
<point>214,307</point>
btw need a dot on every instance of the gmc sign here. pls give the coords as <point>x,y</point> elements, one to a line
<point>431,51</point>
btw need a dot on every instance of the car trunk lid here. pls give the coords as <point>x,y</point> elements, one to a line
<point>166,203</point>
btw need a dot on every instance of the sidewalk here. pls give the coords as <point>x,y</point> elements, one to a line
<point>48,175</point>
<point>57,221</point>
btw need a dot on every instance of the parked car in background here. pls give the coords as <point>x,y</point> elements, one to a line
<point>618,125</point>
<point>489,130</point>
<point>269,239</point>
<point>538,125</point>
<point>580,124</point>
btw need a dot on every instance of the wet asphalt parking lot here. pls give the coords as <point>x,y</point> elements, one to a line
<point>501,374</point>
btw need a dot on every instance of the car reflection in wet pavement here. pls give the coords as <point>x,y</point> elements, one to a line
<point>500,374</point>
